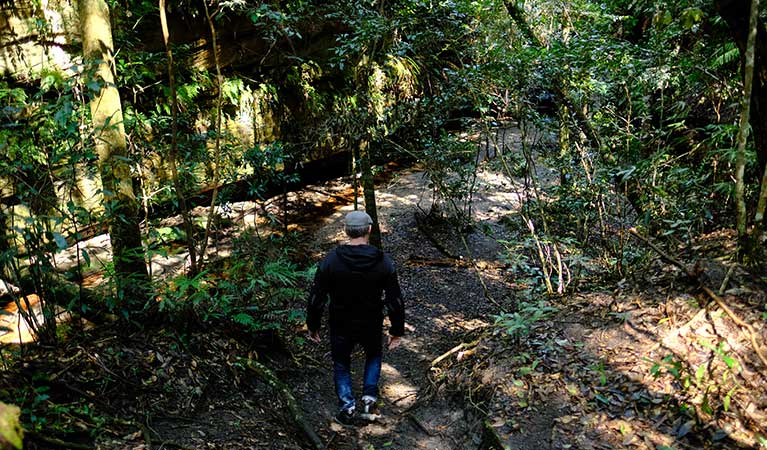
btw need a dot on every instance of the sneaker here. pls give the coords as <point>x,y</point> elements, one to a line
<point>345,417</point>
<point>369,408</point>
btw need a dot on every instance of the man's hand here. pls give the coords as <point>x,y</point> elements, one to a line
<point>394,342</point>
<point>314,336</point>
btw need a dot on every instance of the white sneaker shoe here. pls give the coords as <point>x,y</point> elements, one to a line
<point>369,409</point>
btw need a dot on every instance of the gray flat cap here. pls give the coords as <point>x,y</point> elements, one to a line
<point>358,219</point>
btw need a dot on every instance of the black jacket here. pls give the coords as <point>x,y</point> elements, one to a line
<point>355,277</point>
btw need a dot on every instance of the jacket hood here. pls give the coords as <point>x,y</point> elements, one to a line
<point>359,257</point>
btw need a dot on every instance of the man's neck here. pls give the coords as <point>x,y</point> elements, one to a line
<point>358,241</point>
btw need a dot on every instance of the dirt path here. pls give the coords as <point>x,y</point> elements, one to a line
<point>641,363</point>
<point>634,365</point>
<point>443,305</point>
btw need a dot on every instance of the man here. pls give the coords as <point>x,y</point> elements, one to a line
<point>355,276</point>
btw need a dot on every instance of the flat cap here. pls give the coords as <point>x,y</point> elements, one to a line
<point>358,219</point>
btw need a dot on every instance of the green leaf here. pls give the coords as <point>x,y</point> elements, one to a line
<point>700,373</point>
<point>61,241</point>
<point>94,86</point>
<point>728,399</point>
<point>729,360</point>
<point>602,399</point>
<point>86,257</point>
<point>244,319</point>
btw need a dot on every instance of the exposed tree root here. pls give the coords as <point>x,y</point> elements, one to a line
<point>490,438</point>
<point>271,379</point>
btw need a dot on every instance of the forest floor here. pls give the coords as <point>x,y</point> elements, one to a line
<point>646,361</point>
<point>643,361</point>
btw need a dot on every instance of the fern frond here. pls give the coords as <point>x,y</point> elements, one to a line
<point>725,55</point>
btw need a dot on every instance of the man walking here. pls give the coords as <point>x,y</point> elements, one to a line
<point>355,276</point>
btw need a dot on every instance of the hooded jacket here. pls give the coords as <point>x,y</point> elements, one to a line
<point>360,281</point>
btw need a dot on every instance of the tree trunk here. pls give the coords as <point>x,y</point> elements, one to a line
<point>740,165</point>
<point>369,192</point>
<point>120,203</point>
<point>761,207</point>
<point>736,14</point>
<point>173,156</point>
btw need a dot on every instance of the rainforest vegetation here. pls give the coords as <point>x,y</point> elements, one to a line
<point>573,193</point>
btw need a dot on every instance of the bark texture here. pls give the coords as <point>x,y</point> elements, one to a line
<point>110,144</point>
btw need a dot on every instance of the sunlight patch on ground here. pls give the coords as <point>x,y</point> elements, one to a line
<point>496,196</point>
<point>396,388</point>
<point>452,321</point>
<point>679,355</point>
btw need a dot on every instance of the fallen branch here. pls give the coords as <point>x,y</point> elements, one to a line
<point>56,442</point>
<point>739,321</point>
<point>692,274</point>
<point>445,262</point>
<point>419,424</point>
<point>415,260</point>
<point>271,379</point>
<point>337,197</point>
<point>457,348</point>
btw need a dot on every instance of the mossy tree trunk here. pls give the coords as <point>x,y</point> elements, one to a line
<point>119,201</point>
<point>745,114</point>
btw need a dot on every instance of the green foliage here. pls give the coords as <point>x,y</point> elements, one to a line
<point>450,164</point>
<point>183,292</point>
<point>701,385</point>
<point>268,164</point>
<point>519,323</point>
<point>40,137</point>
<point>258,288</point>
<point>263,286</point>
<point>669,364</point>
<point>40,412</point>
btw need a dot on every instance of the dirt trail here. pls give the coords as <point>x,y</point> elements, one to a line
<point>606,368</point>
<point>443,304</point>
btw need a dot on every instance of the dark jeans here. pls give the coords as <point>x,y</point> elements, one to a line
<point>341,346</point>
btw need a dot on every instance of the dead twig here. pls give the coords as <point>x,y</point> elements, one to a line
<point>404,397</point>
<point>692,274</point>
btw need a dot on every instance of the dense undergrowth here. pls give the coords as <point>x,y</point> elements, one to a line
<point>627,136</point>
